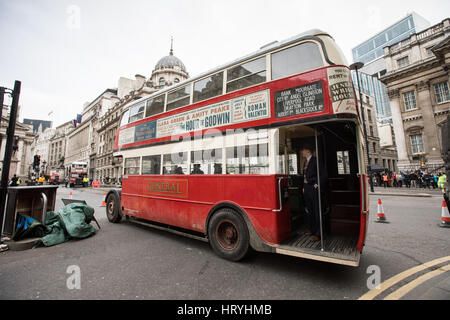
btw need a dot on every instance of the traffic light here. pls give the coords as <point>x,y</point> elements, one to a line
<point>36,162</point>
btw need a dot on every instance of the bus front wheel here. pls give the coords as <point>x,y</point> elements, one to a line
<point>228,235</point>
<point>113,208</point>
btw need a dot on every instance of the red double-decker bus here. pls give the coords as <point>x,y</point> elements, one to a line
<point>217,157</point>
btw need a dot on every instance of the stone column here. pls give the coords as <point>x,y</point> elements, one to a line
<point>403,162</point>
<point>429,133</point>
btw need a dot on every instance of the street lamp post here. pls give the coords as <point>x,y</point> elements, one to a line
<point>356,66</point>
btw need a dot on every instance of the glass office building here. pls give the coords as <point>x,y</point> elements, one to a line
<point>371,86</point>
<point>371,53</point>
<point>373,48</point>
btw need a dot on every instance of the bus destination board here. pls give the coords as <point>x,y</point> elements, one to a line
<point>299,100</point>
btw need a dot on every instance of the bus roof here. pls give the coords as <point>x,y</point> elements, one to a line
<point>264,49</point>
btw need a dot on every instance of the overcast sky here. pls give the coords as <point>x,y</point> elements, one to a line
<point>68,52</point>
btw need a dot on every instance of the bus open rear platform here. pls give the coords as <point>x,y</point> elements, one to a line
<point>337,249</point>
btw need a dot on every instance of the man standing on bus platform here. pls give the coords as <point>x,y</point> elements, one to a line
<point>311,190</point>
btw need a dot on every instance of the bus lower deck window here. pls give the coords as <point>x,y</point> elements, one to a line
<point>132,166</point>
<point>252,159</point>
<point>206,161</point>
<point>175,163</point>
<point>151,164</point>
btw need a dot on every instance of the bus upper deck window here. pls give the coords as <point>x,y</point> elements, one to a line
<point>137,112</point>
<point>208,87</point>
<point>247,74</point>
<point>300,58</point>
<point>154,106</point>
<point>125,116</point>
<point>179,98</point>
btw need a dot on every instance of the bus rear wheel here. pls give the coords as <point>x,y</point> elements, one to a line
<point>113,208</point>
<point>228,235</point>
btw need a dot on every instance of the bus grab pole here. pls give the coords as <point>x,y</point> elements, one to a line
<point>320,197</point>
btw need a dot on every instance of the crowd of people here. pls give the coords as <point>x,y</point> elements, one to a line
<point>87,182</point>
<point>409,179</point>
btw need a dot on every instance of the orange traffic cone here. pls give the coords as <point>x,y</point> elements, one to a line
<point>70,194</point>
<point>381,216</point>
<point>445,217</point>
<point>103,202</point>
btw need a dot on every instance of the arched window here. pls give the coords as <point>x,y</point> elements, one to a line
<point>176,80</point>
<point>162,81</point>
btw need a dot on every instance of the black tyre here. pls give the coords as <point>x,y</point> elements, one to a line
<point>113,208</point>
<point>228,235</point>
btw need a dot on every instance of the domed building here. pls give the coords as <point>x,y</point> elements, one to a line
<point>169,70</point>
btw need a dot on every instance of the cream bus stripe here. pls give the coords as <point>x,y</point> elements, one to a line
<point>399,293</point>
<point>399,277</point>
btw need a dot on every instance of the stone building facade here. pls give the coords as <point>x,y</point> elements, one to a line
<point>41,147</point>
<point>106,165</point>
<point>57,148</point>
<point>418,86</point>
<point>22,158</point>
<point>81,141</point>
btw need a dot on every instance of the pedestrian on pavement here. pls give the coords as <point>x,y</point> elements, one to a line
<point>434,181</point>
<point>442,182</point>
<point>413,178</point>
<point>13,182</point>
<point>385,180</point>
<point>427,180</point>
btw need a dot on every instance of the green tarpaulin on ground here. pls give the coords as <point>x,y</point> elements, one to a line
<point>72,221</point>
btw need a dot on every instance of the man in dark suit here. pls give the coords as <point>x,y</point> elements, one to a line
<point>311,189</point>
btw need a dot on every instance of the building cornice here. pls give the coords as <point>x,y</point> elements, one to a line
<point>177,72</point>
<point>441,112</point>
<point>412,118</point>
<point>410,70</point>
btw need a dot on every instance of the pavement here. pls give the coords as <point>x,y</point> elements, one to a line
<point>406,192</point>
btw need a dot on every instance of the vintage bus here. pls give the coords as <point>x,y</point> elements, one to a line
<point>217,158</point>
<point>77,171</point>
